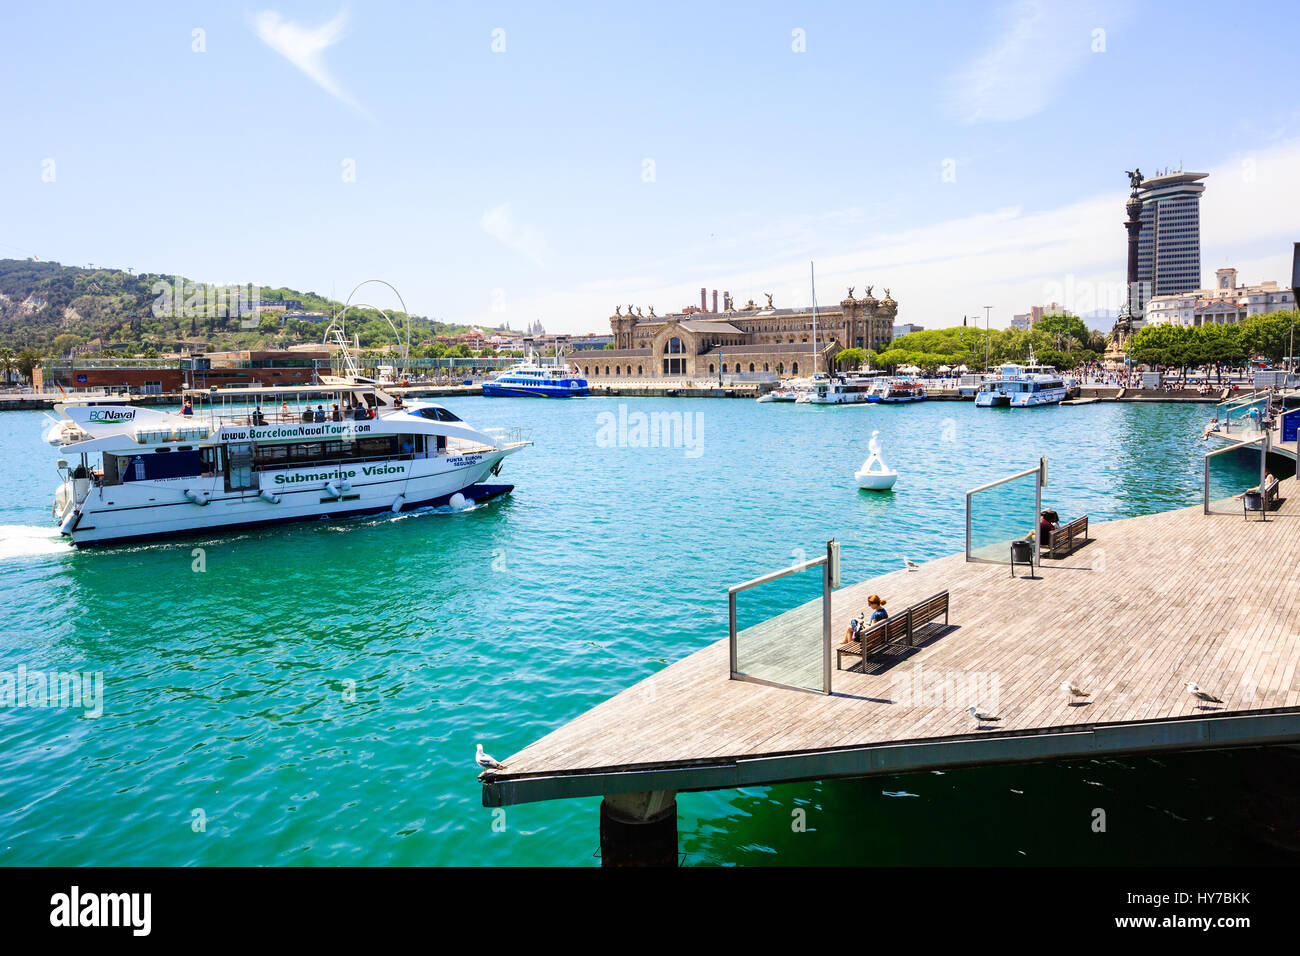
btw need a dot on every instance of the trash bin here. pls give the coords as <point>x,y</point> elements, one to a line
<point>1022,552</point>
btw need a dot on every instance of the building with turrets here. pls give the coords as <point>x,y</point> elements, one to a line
<point>699,343</point>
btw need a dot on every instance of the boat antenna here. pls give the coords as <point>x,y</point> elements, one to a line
<point>812,276</point>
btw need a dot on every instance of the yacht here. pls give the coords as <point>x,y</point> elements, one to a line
<point>530,378</point>
<point>1022,386</point>
<point>970,382</point>
<point>894,391</point>
<point>795,387</point>
<point>245,457</point>
<point>841,389</point>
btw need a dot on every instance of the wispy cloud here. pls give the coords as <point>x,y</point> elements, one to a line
<point>1038,46</point>
<point>304,47</point>
<point>499,222</point>
<point>1012,258</point>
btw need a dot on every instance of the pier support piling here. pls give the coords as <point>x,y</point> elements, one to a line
<point>639,829</point>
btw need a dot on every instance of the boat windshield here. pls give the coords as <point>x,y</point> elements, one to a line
<point>437,413</point>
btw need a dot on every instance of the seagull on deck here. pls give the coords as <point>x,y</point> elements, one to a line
<point>911,565</point>
<point>487,762</point>
<point>982,718</point>
<point>1072,690</point>
<point>1202,695</point>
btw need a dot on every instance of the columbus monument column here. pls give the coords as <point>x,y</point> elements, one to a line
<point>1132,307</point>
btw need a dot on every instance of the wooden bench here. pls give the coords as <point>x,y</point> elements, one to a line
<point>895,629</point>
<point>1063,538</point>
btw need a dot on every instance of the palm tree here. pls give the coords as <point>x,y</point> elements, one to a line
<point>6,363</point>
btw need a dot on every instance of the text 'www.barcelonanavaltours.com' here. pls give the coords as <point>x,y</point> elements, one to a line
<point>1172,920</point>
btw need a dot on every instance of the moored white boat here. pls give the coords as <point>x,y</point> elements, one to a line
<point>1022,386</point>
<point>842,389</point>
<point>893,391</point>
<point>259,456</point>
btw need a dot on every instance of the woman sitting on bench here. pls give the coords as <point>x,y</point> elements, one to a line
<point>878,613</point>
<point>1270,486</point>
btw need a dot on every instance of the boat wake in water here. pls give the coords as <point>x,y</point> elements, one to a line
<point>25,541</point>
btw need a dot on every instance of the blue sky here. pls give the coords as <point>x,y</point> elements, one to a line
<point>618,154</point>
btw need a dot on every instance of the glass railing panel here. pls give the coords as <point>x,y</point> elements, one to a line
<point>779,636</point>
<point>1002,514</point>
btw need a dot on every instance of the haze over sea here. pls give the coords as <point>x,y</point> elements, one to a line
<point>314,696</point>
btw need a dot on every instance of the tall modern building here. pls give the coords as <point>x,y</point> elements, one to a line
<point>1169,245</point>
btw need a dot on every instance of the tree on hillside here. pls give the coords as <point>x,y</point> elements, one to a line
<point>26,362</point>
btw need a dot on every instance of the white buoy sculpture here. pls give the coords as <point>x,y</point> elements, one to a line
<point>875,473</point>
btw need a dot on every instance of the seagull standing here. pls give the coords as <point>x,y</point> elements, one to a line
<point>911,565</point>
<point>1202,695</point>
<point>487,761</point>
<point>981,718</point>
<point>1072,691</point>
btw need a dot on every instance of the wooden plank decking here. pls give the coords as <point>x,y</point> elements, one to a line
<point>1148,605</point>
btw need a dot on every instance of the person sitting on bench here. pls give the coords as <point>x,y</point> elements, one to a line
<point>1270,485</point>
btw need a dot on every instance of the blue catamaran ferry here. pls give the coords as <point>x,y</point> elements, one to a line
<point>546,381</point>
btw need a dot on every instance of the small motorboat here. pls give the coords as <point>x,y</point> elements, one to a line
<point>875,473</point>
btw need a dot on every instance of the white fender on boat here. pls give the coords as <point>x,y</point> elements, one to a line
<point>69,522</point>
<point>269,495</point>
<point>457,501</point>
<point>398,502</point>
<point>338,487</point>
<point>198,497</point>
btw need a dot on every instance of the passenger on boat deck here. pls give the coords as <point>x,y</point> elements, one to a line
<point>187,408</point>
<point>284,410</point>
<point>397,402</point>
<point>336,415</point>
<point>320,413</point>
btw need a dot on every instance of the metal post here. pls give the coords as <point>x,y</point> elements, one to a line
<point>1205,487</point>
<point>1038,511</point>
<point>826,621</point>
<point>1263,470</point>
<point>731,632</point>
<point>968,494</point>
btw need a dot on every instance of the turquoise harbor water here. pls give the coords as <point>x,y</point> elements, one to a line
<point>314,696</point>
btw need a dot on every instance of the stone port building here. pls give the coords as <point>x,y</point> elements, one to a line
<point>702,344</point>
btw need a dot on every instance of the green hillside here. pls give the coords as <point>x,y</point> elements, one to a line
<point>51,308</point>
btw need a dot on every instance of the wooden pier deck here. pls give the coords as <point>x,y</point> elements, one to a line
<point>1148,605</point>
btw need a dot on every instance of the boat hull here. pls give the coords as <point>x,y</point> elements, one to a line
<point>170,508</point>
<point>491,390</point>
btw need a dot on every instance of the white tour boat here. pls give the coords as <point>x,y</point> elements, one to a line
<point>542,381</point>
<point>842,389</point>
<point>893,391</point>
<point>1022,386</point>
<point>247,457</point>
